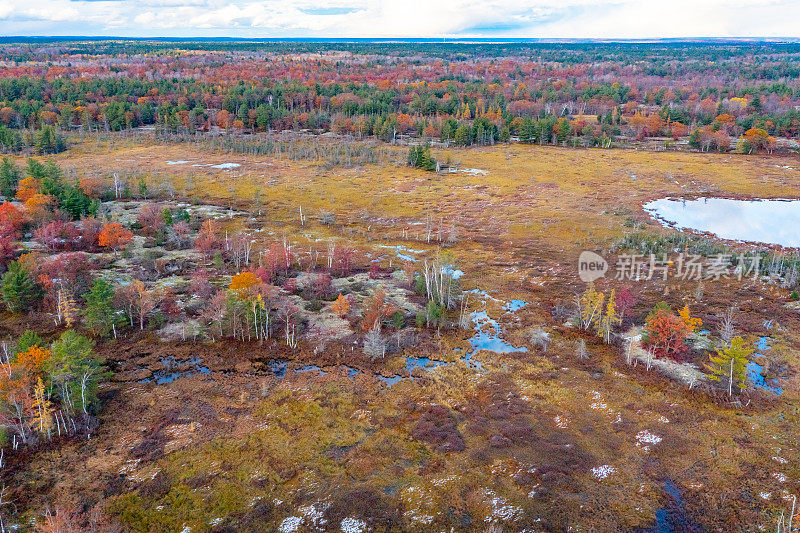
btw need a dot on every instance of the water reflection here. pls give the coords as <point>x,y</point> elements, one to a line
<point>767,221</point>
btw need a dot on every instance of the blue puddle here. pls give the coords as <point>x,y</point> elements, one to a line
<point>453,273</point>
<point>424,363</point>
<point>672,519</point>
<point>487,337</point>
<point>390,380</point>
<point>515,305</point>
<point>278,367</point>
<point>762,344</point>
<point>170,373</point>
<point>310,368</point>
<point>404,253</point>
<point>754,371</point>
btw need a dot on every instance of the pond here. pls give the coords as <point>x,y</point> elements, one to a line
<point>764,221</point>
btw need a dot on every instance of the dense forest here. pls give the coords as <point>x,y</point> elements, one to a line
<point>723,96</point>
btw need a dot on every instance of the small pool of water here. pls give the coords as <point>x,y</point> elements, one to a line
<point>278,367</point>
<point>311,368</point>
<point>754,371</point>
<point>176,369</point>
<point>424,363</point>
<point>487,337</point>
<point>765,221</point>
<point>390,380</point>
<point>673,518</point>
<point>515,305</point>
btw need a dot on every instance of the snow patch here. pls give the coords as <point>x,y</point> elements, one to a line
<point>603,471</point>
<point>290,524</point>
<point>353,525</point>
<point>645,439</point>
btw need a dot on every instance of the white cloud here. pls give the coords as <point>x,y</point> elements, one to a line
<point>404,18</point>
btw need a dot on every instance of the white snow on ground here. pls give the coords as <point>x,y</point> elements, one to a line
<point>765,495</point>
<point>290,524</point>
<point>353,525</point>
<point>780,477</point>
<point>561,421</point>
<point>599,404</point>
<point>502,511</point>
<point>312,515</point>
<point>226,165</point>
<point>415,499</point>
<point>603,471</point>
<point>471,171</point>
<point>645,439</point>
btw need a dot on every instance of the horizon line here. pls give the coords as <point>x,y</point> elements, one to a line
<point>433,40</point>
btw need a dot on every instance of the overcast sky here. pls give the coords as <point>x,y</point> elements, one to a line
<point>403,18</point>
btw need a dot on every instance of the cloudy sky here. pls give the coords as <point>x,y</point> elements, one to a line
<point>403,18</point>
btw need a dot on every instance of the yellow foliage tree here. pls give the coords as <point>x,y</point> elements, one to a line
<point>42,408</point>
<point>590,305</point>
<point>37,203</point>
<point>730,364</point>
<point>605,326</point>
<point>691,322</point>
<point>67,310</point>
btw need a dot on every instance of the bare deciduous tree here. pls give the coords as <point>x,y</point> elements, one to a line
<point>374,343</point>
<point>726,327</point>
<point>581,352</point>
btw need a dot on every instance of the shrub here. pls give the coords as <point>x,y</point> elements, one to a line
<point>437,427</point>
<point>20,291</point>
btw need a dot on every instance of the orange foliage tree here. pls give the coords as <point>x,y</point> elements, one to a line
<point>27,187</point>
<point>242,282</point>
<point>376,310</point>
<point>33,360</point>
<point>665,331</point>
<point>341,306</point>
<point>114,236</point>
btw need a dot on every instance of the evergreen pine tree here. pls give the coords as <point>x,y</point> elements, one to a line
<point>20,291</point>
